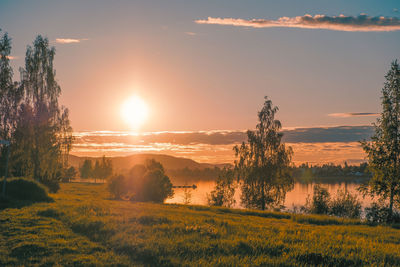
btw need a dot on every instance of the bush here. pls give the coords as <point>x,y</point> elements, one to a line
<point>224,191</point>
<point>52,185</point>
<point>345,205</point>
<point>378,213</point>
<point>156,187</point>
<point>25,189</point>
<point>144,183</point>
<point>117,186</point>
<point>320,201</point>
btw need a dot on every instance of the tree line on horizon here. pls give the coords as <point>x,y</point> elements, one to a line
<point>101,169</point>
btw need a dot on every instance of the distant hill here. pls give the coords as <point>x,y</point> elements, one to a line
<point>127,162</point>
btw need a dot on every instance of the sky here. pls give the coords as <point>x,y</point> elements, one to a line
<point>207,65</point>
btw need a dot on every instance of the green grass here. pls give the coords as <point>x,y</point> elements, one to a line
<point>83,227</point>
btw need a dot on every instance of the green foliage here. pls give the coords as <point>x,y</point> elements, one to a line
<point>10,97</point>
<point>263,165</point>
<point>24,189</point>
<point>143,183</point>
<point>86,169</point>
<point>384,149</point>
<point>102,168</point>
<point>344,205</point>
<point>117,186</point>
<point>378,213</point>
<point>328,173</point>
<point>31,118</point>
<point>69,173</point>
<point>84,228</point>
<point>224,191</point>
<point>154,185</point>
<point>320,201</point>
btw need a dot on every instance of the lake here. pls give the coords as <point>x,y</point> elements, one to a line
<point>295,198</point>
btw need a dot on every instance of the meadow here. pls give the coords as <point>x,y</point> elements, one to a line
<point>84,227</point>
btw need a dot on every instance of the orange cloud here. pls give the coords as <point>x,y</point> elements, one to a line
<point>353,114</point>
<point>361,23</point>
<point>69,40</point>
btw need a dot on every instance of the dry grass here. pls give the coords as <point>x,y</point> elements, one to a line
<point>84,227</point>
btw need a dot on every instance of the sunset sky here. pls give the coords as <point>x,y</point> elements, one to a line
<point>206,65</point>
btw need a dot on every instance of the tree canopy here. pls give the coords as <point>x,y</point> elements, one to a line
<point>263,164</point>
<point>31,117</point>
<point>384,148</point>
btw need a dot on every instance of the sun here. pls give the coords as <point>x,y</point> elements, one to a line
<point>134,111</point>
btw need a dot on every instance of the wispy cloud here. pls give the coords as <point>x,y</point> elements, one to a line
<point>361,23</point>
<point>191,33</point>
<point>69,40</point>
<point>353,114</point>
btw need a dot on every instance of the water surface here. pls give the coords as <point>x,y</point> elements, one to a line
<point>295,198</point>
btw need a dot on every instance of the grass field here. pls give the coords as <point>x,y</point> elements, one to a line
<point>83,227</point>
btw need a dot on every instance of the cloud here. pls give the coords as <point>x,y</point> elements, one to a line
<point>353,114</point>
<point>12,57</point>
<point>361,23</point>
<point>314,145</point>
<point>69,40</point>
<point>220,137</point>
<point>191,33</point>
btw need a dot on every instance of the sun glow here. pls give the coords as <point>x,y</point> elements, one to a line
<point>134,111</point>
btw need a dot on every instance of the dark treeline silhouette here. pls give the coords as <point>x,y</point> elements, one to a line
<point>327,173</point>
<point>194,174</point>
<point>101,169</point>
<point>31,117</point>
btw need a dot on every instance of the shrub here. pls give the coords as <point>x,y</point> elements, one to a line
<point>320,201</point>
<point>345,205</point>
<point>144,183</point>
<point>224,191</point>
<point>378,213</point>
<point>156,187</point>
<point>25,189</point>
<point>117,186</point>
<point>52,184</point>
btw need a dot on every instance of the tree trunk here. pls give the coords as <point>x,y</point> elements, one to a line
<point>36,159</point>
<point>390,215</point>
<point>262,196</point>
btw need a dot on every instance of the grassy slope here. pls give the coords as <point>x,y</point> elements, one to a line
<point>83,227</point>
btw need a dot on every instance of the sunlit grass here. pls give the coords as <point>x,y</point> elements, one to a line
<point>84,227</point>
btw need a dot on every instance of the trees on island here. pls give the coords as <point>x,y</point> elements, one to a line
<point>31,117</point>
